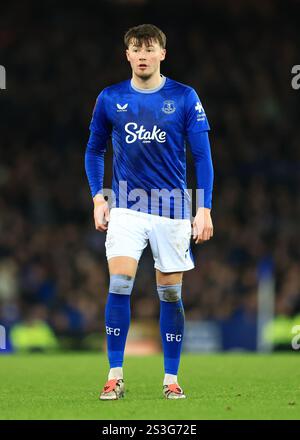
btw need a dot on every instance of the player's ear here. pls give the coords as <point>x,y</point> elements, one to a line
<point>163,54</point>
<point>127,54</point>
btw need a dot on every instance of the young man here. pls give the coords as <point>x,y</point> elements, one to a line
<point>149,119</point>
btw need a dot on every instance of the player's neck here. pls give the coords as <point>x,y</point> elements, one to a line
<point>150,83</point>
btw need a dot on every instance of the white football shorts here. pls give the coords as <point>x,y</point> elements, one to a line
<point>129,231</point>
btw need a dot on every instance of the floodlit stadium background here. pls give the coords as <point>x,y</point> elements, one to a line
<point>238,55</point>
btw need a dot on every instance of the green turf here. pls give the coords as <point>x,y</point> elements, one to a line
<point>219,386</point>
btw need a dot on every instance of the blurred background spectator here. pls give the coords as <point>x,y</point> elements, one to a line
<point>238,55</point>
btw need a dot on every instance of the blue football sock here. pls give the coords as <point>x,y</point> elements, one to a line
<point>117,321</point>
<point>171,329</point>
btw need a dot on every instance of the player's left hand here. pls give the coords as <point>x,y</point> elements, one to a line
<point>202,226</point>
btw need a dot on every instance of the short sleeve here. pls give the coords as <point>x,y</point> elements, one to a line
<point>100,123</point>
<point>195,117</point>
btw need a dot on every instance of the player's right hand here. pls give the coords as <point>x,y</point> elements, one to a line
<point>101,213</point>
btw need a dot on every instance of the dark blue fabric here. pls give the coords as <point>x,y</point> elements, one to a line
<point>94,162</point>
<point>200,148</point>
<point>171,329</point>
<point>117,321</point>
<point>148,131</point>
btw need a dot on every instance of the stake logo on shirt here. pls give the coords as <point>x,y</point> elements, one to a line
<point>146,136</point>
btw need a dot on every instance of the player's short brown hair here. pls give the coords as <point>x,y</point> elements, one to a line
<point>145,33</point>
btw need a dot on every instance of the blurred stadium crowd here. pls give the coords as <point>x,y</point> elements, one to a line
<point>238,56</point>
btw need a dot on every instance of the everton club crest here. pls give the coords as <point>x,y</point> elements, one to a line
<point>169,107</point>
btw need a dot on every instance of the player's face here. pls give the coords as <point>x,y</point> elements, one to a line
<point>145,59</point>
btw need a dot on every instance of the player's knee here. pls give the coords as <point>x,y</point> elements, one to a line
<point>169,293</point>
<point>121,284</point>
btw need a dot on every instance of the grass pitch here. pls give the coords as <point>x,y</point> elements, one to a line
<point>218,386</point>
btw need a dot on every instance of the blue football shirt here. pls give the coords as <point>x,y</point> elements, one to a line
<point>149,129</point>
